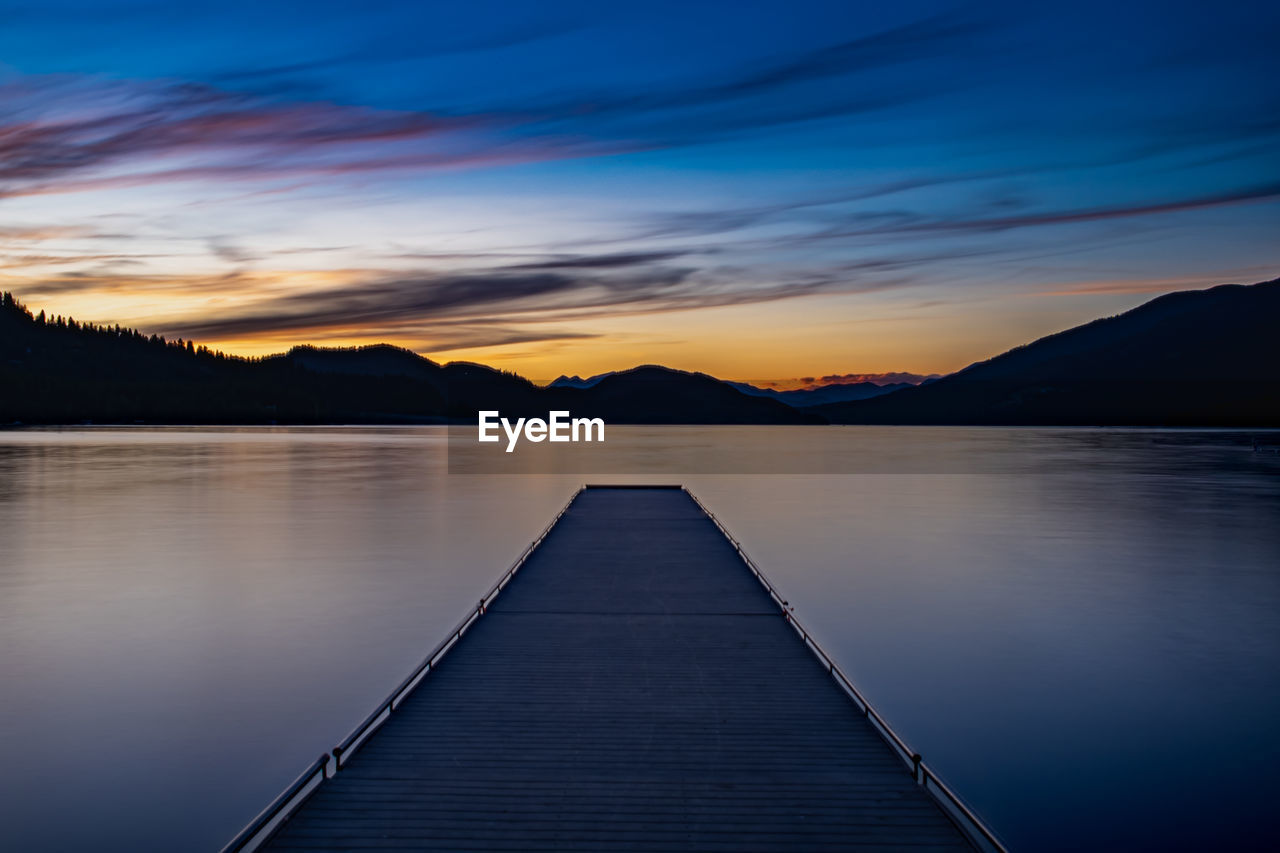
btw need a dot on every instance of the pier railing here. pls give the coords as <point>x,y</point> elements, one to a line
<point>960,813</point>
<point>262,827</point>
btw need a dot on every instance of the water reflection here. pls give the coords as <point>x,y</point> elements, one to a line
<point>1077,627</point>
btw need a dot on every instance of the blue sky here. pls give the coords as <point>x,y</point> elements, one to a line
<point>760,190</point>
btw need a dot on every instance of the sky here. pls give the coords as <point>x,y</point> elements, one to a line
<point>761,191</point>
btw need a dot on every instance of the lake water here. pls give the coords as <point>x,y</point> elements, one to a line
<point>1079,629</point>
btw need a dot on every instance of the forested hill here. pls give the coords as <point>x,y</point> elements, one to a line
<point>60,371</point>
<point>1195,358</point>
<point>56,370</point>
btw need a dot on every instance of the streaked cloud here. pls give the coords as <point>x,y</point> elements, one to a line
<point>876,378</point>
<point>858,178</point>
<point>68,133</point>
<point>427,301</point>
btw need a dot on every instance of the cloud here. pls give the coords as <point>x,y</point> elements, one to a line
<point>911,224</point>
<point>398,47</point>
<point>1260,192</point>
<point>875,378</point>
<point>41,233</point>
<point>48,260</point>
<point>690,112</point>
<point>588,262</point>
<point>498,303</point>
<point>225,250</point>
<point>431,298</point>
<point>79,282</point>
<point>942,179</point>
<point>808,383</point>
<point>1158,285</point>
<point>380,301</point>
<point>59,125</point>
<point>500,296</point>
<point>66,132</point>
<point>708,222</point>
<point>823,212</point>
<point>447,339</point>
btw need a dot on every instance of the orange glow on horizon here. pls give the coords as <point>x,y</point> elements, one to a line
<point>784,344</point>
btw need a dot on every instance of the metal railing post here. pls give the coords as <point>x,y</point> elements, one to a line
<point>288,801</point>
<point>964,818</point>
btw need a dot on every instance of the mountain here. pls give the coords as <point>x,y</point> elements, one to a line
<point>660,395</point>
<point>376,360</point>
<point>797,399</point>
<point>1196,358</point>
<point>1193,358</point>
<point>835,393</point>
<point>577,381</point>
<point>60,371</point>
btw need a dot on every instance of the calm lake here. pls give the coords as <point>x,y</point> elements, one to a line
<point>1079,629</point>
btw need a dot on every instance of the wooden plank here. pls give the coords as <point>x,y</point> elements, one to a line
<point>634,688</point>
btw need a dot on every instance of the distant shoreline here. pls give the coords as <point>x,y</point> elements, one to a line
<point>1201,358</point>
<point>14,426</point>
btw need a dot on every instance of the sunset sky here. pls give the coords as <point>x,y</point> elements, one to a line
<point>756,190</point>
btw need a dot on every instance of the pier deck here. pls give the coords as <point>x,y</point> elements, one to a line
<point>634,687</point>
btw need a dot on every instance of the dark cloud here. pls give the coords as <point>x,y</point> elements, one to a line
<point>41,233</point>
<point>307,250</point>
<point>224,249</point>
<point>63,132</point>
<point>909,223</point>
<point>99,281</point>
<point>448,338</point>
<point>408,45</point>
<point>590,262</point>
<point>422,298</point>
<point>709,222</point>
<point>874,378</point>
<point>49,260</point>
<point>379,301</point>
<point>511,296</point>
<point>938,34</point>
<point>57,135</point>
<point>707,108</point>
<point>66,132</point>
<point>180,118</point>
<point>849,227</point>
<point>271,125</point>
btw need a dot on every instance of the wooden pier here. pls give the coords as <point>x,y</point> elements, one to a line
<point>633,686</point>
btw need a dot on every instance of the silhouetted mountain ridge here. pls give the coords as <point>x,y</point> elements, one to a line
<point>834,393</point>
<point>652,394</point>
<point>375,360</point>
<point>575,381</point>
<point>60,371</point>
<point>1202,357</point>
